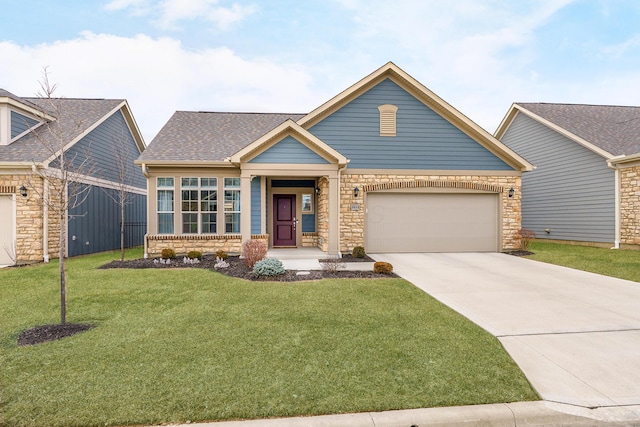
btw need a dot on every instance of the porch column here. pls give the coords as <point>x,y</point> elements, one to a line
<point>334,216</point>
<point>245,207</point>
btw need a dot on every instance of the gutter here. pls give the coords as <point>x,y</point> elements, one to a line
<point>617,220</point>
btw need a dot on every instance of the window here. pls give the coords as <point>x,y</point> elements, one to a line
<point>232,205</point>
<point>388,119</point>
<point>199,205</point>
<point>165,205</point>
<point>307,203</point>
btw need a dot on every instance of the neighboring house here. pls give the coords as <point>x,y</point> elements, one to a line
<point>586,186</point>
<point>386,164</point>
<point>95,129</point>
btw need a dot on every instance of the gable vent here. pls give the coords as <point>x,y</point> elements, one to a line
<point>387,119</point>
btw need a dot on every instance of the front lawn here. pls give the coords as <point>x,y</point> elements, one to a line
<point>172,346</point>
<point>624,264</point>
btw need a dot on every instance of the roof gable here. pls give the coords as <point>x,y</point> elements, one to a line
<point>396,75</point>
<point>604,129</point>
<point>286,132</point>
<point>78,117</point>
<point>289,150</point>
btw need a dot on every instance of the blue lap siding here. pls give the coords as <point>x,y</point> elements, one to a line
<point>424,140</point>
<point>571,192</point>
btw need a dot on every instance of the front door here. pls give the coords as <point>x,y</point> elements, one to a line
<point>284,220</point>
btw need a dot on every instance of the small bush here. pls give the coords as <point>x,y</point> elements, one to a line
<point>221,254</point>
<point>253,251</point>
<point>525,237</point>
<point>168,253</point>
<point>194,255</point>
<point>332,265</point>
<point>268,267</point>
<point>358,252</point>
<point>381,267</point>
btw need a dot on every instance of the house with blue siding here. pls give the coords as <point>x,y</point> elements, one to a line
<point>95,133</point>
<point>385,164</point>
<point>586,185</point>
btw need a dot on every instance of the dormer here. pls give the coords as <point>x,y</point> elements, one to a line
<point>17,117</point>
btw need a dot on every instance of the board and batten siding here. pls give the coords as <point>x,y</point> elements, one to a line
<point>94,226</point>
<point>289,151</point>
<point>571,192</point>
<point>102,144</point>
<point>21,123</point>
<point>256,205</point>
<point>424,140</point>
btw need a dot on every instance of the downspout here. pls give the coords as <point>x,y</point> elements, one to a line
<point>616,243</point>
<point>145,172</point>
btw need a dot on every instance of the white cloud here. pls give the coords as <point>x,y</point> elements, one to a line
<point>168,14</point>
<point>158,76</point>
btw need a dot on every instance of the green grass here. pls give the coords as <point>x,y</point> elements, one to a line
<point>172,346</point>
<point>624,264</point>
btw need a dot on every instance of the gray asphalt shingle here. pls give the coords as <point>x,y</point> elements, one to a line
<point>210,136</point>
<point>74,116</point>
<point>615,129</point>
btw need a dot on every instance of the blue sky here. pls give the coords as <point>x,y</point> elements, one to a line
<point>291,56</point>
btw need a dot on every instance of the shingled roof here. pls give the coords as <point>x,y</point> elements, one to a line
<point>209,136</point>
<point>76,117</point>
<point>615,129</point>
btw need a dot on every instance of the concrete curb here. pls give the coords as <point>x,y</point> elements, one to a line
<point>518,414</point>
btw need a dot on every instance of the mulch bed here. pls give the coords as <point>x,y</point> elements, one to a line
<point>44,333</point>
<point>519,253</point>
<point>237,268</point>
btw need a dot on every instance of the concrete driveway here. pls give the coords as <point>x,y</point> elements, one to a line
<point>575,335</point>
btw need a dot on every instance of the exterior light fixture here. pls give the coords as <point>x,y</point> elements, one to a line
<point>317,191</point>
<point>23,191</point>
<point>511,192</point>
<point>356,191</point>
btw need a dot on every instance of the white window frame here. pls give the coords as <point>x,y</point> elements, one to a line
<point>168,189</point>
<point>233,206</point>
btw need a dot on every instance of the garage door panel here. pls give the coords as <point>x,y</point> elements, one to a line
<point>412,222</point>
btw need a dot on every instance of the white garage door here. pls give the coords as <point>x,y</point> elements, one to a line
<point>434,222</point>
<point>7,230</point>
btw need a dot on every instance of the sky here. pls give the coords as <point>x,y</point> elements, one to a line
<point>291,56</point>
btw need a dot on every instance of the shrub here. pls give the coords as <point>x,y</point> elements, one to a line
<point>332,265</point>
<point>253,251</point>
<point>381,267</point>
<point>525,237</point>
<point>168,253</point>
<point>358,252</point>
<point>221,254</point>
<point>268,267</point>
<point>194,255</point>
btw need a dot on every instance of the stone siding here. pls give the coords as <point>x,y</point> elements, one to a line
<point>630,206</point>
<point>207,244</point>
<point>322,218</point>
<point>29,218</point>
<point>352,220</point>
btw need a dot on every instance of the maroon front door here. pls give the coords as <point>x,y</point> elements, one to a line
<point>284,220</point>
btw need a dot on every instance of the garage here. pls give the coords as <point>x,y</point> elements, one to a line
<point>432,222</point>
<point>7,227</point>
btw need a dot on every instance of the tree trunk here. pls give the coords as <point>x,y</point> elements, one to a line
<point>63,273</point>
<point>121,231</point>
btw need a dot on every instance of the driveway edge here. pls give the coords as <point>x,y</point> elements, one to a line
<point>518,414</point>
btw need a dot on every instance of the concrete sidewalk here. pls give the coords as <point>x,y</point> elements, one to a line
<point>519,414</point>
<point>575,335</point>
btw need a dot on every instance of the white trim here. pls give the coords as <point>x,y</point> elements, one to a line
<point>429,172</point>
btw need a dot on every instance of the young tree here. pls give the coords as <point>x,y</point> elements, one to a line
<point>59,186</point>
<point>125,170</point>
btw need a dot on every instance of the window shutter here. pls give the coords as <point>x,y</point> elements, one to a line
<point>387,119</point>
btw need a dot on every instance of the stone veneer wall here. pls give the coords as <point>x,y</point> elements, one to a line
<point>29,218</point>
<point>352,222</point>
<point>309,240</point>
<point>207,244</point>
<point>630,206</point>
<point>322,217</point>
